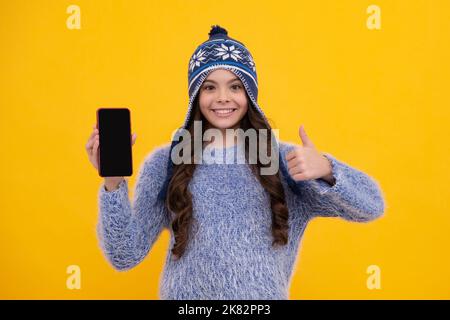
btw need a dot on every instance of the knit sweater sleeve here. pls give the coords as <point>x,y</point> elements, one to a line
<point>126,231</point>
<point>355,196</point>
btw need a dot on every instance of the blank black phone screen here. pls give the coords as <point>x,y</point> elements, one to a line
<point>115,156</point>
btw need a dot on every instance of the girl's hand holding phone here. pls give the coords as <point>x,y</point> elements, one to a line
<point>92,146</point>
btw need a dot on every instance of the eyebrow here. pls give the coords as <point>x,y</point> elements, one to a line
<point>228,81</point>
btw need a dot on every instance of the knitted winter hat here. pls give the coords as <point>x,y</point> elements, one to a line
<point>218,52</point>
<point>222,52</point>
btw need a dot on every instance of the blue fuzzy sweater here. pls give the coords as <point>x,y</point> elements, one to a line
<point>229,254</point>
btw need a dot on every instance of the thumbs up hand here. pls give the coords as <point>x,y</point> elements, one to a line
<point>306,163</point>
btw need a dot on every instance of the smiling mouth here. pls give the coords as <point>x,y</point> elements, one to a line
<point>224,112</point>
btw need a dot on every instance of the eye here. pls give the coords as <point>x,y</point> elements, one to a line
<point>206,87</point>
<point>237,86</point>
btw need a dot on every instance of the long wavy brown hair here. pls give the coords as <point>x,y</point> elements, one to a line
<point>179,198</point>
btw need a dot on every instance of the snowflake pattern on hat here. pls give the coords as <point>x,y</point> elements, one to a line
<point>222,50</point>
<point>251,62</point>
<point>226,52</point>
<point>196,59</point>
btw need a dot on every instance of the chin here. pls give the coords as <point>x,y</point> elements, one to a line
<point>223,124</point>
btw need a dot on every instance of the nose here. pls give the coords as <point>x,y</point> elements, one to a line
<point>223,96</point>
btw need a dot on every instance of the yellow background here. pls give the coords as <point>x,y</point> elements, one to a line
<point>375,99</point>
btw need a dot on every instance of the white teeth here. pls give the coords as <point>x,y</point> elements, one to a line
<point>225,111</point>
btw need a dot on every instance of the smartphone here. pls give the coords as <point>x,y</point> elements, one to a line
<point>114,129</point>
